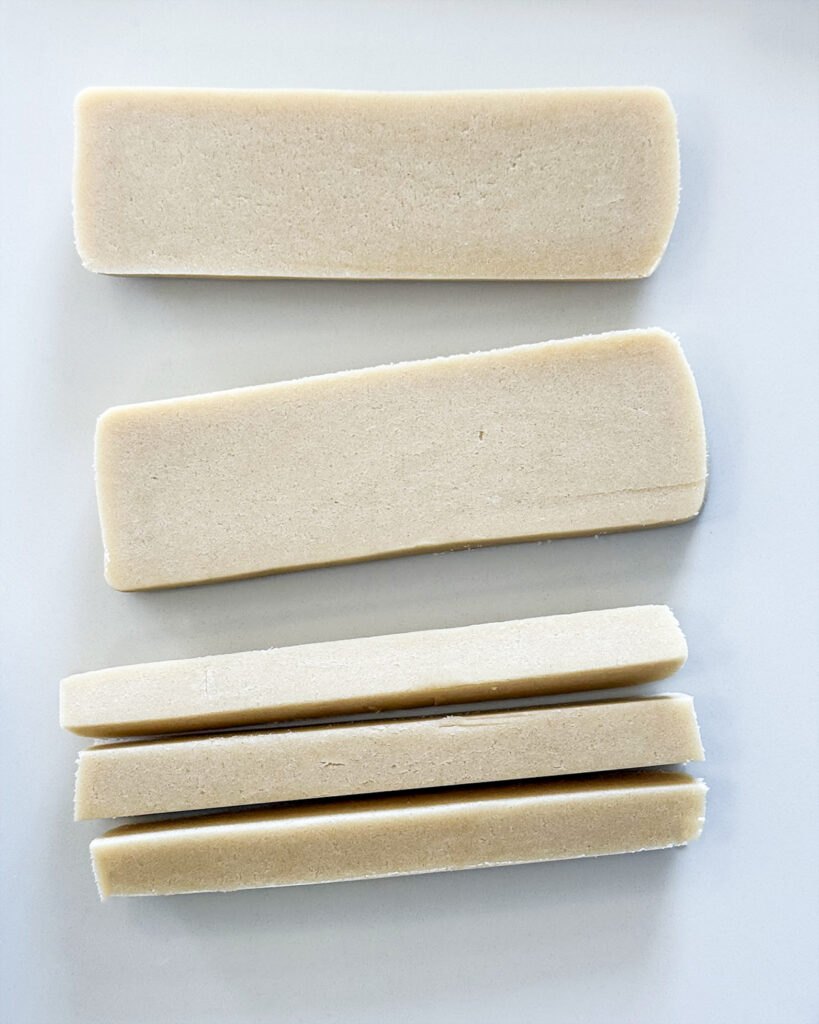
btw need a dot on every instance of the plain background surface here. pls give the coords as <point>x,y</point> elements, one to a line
<point>724,931</point>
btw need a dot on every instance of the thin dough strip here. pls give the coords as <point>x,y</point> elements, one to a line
<point>441,830</point>
<point>487,661</point>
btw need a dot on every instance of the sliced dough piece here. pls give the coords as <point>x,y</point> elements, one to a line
<point>440,830</point>
<point>571,437</point>
<point>488,661</point>
<point>543,183</point>
<point>234,769</point>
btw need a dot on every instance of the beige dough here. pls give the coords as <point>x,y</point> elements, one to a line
<point>520,658</point>
<point>545,183</point>
<point>235,769</point>
<point>568,437</point>
<point>440,830</point>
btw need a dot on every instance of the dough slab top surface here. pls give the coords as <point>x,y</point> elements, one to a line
<point>569,437</point>
<point>526,184</point>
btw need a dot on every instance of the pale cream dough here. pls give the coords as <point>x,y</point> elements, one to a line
<point>234,769</point>
<point>541,183</point>
<point>438,830</point>
<point>581,436</point>
<point>518,658</point>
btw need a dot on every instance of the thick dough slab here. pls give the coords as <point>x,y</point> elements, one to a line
<point>520,658</point>
<point>549,183</point>
<point>235,769</point>
<point>570,437</point>
<point>443,830</point>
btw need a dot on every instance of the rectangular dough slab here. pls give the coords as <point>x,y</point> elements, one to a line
<point>542,183</point>
<point>235,769</point>
<point>441,830</point>
<point>488,661</point>
<point>568,437</point>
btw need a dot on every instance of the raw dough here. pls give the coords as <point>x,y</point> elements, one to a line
<point>568,437</point>
<point>440,830</point>
<point>234,769</point>
<point>520,658</point>
<point>548,183</point>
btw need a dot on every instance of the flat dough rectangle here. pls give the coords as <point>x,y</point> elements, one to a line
<point>442,830</point>
<point>236,769</point>
<point>541,183</point>
<point>555,439</point>
<point>487,661</point>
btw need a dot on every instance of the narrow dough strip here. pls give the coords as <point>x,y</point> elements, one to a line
<point>487,661</point>
<point>236,769</point>
<point>440,830</point>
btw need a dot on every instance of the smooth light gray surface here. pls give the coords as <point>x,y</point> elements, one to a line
<point>722,932</point>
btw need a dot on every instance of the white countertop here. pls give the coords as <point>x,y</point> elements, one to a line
<point>721,932</point>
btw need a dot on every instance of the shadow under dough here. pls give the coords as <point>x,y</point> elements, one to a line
<point>416,592</point>
<point>562,919</point>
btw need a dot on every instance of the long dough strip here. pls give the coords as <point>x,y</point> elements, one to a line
<point>407,834</point>
<point>236,769</point>
<point>488,661</point>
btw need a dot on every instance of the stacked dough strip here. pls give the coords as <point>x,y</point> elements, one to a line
<point>477,752</point>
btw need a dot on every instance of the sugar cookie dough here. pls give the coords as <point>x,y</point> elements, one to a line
<point>567,437</point>
<point>543,183</point>
<point>233,769</point>
<point>441,830</point>
<point>519,658</point>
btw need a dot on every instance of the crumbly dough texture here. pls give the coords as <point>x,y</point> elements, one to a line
<point>439,830</point>
<point>235,769</point>
<point>542,183</point>
<point>554,439</point>
<point>518,658</point>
